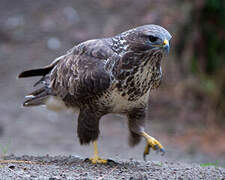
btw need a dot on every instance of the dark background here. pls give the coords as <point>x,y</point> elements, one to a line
<point>187,113</point>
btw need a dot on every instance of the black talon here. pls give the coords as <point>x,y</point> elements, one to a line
<point>162,151</point>
<point>144,156</point>
<point>111,162</point>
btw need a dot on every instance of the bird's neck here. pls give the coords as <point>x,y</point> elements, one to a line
<point>136,63</point>
<point>136,73</point>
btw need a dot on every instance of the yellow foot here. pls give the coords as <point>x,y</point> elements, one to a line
<point>152,143</point>
<point>98,160</point>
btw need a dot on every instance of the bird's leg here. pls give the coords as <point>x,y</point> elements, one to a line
<point>96,158</point>
<point>136,126</point>
<point>151,143</point>
<point>88,130</point>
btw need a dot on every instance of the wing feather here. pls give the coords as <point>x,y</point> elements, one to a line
<point>79,76</point>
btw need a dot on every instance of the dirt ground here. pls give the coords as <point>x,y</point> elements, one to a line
<point>64,167</point>
<point>32,34</point>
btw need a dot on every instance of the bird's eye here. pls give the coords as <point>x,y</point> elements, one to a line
<point>153,38</point>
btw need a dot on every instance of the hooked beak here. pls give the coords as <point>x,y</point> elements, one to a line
<point>166,46</point>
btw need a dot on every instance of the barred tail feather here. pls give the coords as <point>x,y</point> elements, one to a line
<point>37,98</point>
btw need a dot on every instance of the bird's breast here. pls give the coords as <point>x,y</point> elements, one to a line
<point>141,78</point>
<point>121,104</point>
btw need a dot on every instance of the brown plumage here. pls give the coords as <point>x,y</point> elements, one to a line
<point>101,76</point>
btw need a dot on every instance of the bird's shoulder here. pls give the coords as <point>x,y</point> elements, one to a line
<point>96,48</point>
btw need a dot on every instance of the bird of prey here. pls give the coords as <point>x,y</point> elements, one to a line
<point>101,76</point>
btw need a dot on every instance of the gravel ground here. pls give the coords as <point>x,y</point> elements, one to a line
<point>71,167</point>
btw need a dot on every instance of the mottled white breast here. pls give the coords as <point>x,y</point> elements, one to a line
<point>121,104</point>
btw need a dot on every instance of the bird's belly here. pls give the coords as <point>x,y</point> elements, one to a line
<point>56,104</point>
<point>121,104</point>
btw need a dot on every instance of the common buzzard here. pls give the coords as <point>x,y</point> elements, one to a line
<point>101,76</point>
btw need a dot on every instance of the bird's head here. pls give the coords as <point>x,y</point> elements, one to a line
<point>147,38</point>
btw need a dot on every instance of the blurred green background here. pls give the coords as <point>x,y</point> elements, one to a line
<point>187,112</point>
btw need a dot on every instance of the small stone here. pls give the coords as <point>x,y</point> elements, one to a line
<point>53,178</point>
<point>12,167</point>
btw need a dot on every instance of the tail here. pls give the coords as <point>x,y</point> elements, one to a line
<point>39,96</point>
<point>40,71</point>
<point>34,72</point>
